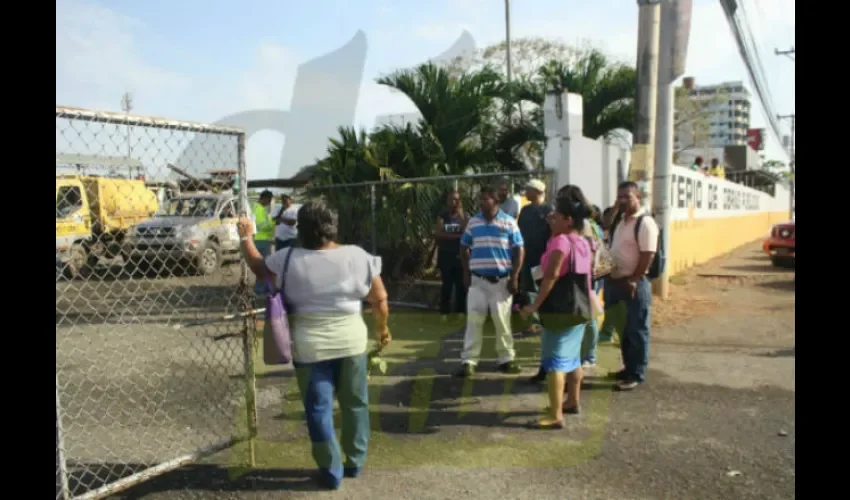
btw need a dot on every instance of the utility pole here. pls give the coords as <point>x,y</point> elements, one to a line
<point>791,145</point>
<point>508,39</point>
<point>791,163</point>
<point>508,65</point>
<point>643,148</point>
<point>675,22</point>
<point>127,106</point>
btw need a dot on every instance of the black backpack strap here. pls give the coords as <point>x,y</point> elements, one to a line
<point>614,224</point>
<point>637,226</point>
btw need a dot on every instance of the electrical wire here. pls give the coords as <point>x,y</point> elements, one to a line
<point>749,54</point>
<point>748,32</point>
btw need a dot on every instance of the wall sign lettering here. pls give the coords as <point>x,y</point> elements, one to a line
<point>712,195</point>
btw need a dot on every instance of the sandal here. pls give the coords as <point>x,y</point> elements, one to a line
<point>537,425</point>
<point>568,410</point>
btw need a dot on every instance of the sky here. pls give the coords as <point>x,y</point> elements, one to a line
<point>217,61</point>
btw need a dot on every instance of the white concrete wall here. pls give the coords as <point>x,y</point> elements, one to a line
<point>593,164</point>
<point>711,197</point>
<point>590,164</point>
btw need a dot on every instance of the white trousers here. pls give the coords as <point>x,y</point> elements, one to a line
<point>484,297</point>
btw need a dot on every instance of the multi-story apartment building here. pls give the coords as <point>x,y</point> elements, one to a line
<point>727,110</point>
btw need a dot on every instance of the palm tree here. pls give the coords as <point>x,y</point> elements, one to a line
<point>607,89</point>
<point>453,107</point>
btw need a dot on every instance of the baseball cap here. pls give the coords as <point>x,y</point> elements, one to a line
<point>536,185</point>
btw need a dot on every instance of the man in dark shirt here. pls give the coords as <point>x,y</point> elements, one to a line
<point>450,225</point>
<point>535,232</point>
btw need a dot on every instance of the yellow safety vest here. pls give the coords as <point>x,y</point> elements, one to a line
<point>265,227</point>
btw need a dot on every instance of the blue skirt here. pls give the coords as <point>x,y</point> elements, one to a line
<point>562,349</point>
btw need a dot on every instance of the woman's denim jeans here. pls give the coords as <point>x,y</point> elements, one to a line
<point>318,382</point>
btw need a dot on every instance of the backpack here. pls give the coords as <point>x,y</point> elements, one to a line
<point>659,261</point>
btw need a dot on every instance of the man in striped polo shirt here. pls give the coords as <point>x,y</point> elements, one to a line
<point>492,254</point>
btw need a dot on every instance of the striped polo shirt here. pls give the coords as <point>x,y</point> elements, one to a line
<point>491,244</point>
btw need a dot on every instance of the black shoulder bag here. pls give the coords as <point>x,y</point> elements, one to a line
<point>568,304</point>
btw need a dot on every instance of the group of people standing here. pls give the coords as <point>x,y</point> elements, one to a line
<point>715,170</point>
<point>534,256</point>
<point>273,232</point>
<point>504,257</point>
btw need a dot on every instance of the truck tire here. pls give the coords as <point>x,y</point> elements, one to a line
<point>209,259</point>
<point>77,261</point>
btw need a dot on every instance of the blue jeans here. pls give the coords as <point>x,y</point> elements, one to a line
<point>591,334</point>
<point>634,334</point>
<point>318,382</point>
<point>265,249</point>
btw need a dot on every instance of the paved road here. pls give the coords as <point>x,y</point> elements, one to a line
<point>716,419</point>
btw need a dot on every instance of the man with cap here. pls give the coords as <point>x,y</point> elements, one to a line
<point>535,233</point>
<point>264,225</point>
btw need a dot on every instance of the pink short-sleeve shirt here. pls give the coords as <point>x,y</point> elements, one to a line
<point>566,244</point>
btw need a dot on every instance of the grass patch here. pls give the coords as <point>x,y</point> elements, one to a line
<point>421,416</point>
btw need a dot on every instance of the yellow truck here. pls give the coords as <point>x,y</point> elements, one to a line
<point>92,216</point>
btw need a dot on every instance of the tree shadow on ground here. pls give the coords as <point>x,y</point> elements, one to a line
<point>788,286</point>
<point>421,395</point>
<point>766,268</point>
<point>780,353</point>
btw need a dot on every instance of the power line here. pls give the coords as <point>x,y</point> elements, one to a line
<point>755,50</point>
<point>749,54</point>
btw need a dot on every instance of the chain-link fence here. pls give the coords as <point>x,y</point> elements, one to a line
<point>150,375</point>
<point>396,220</point>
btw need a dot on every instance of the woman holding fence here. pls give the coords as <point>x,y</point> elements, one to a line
<point>324,284</point>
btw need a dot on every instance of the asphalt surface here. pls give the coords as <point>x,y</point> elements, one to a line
<point>715,420</point>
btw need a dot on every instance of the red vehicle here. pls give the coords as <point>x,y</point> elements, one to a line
<point>780,244</point>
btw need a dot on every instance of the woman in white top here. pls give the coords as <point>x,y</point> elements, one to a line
<point>324,284</point>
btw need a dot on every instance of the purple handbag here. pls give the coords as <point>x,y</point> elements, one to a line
<point>277,340</point>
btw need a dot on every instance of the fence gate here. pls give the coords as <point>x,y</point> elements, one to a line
<point>148,376</point>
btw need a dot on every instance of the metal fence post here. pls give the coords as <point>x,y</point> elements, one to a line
<point>62,490</point>
<point>374,224</point>
<point>249,336</point>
